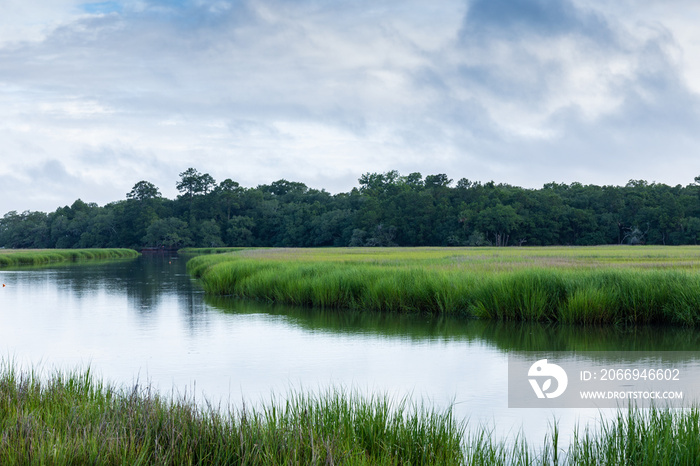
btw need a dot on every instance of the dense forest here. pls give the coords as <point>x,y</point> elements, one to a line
<point>386,209</point>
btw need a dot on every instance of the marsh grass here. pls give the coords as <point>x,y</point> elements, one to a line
<point>23,257</point>
<point>651,436</point>
<point>72,418</point>
<point>604,285</point>
<point>213,250</point>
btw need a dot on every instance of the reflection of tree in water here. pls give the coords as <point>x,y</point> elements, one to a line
<point>508,336</point>
<point>193,311</point>
<point>153,277</point>
<point>162,275</point>
<point>541,337</point>
<point>146,281</point>
<point>85,278</point>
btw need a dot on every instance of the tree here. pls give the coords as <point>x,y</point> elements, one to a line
<point>239,231</point>
<point>209,234</point>
<point>413,180</point>
<point>499,220</point>
<point>143,190</point>
<point>374,184</point>
<point>168,232</point>
<point>283,187</point>
<point>435,181</point>
<point>382,236</point>
<point>192,183</point>
<point>25,230</point>
<point>229,192</point>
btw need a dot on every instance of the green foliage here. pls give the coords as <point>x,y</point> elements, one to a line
<point>193,183</point>
<point>143,190</point>
<point>386,209</point>
<point>169,232</point>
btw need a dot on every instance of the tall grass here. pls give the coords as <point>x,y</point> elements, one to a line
<point>21,257</point>
<point>575,286</point>
<point>653,436</point>
<point>72,418</point>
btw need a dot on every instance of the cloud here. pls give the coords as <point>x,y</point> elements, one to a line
<point>101,7</point>
<point>47,183</point>
<point>513,19</point>
<point>518,91</point>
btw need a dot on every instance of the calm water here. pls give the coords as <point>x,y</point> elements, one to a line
<point>146,320</point>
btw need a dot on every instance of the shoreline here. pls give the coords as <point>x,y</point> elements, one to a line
<point>28,257</point>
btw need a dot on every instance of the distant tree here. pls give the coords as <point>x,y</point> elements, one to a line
<point>385,209</point>
<point>193,183</point>
<point>413,181</point>
<point>434,181</point>
<point>25,230</point>
<point>499,220</point>
<point>209,234</point>
<point>465,183</point>
<point>168,232</point>
<point>239,231</point>
<point>374,184</point>
<point>283,187</point>
<point>382,236</point>
<point>229,193</point>
<point>143,190</point>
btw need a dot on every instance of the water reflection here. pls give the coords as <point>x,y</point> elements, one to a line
<point>506,336</point>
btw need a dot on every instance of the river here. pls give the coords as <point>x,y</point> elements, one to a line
<point>146,320</point>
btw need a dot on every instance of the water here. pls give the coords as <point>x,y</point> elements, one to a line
<point>146,320</point>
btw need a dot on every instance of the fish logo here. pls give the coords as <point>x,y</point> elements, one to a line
<point>547,371</point>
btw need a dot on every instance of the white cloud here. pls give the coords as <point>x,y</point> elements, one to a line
<point>321,92</point>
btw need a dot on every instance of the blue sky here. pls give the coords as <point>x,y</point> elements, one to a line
<point>97,96</point>
<point>101,7</point>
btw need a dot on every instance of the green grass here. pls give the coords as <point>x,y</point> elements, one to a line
<point>653,436</point>
<point>596,285</point>
<point>71,418</point>
<point>22,257</point>
<point>221,250</point>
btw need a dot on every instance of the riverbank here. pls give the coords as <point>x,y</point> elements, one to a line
<point>581,285</point>
<point>21,257</point>
<point>69,418</point>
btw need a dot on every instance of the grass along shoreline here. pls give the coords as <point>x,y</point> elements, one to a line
<point>72,418</point>
<point>22,257</point>
<point>586,285</point>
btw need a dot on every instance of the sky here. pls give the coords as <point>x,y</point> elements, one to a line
<point>95,97</point>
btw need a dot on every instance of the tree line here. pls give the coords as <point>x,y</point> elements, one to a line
<point>386,209</point>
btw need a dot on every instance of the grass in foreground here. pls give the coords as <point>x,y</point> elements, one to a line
<point>603,285</point>
<point>73,419</point>
<point>20,257</point>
